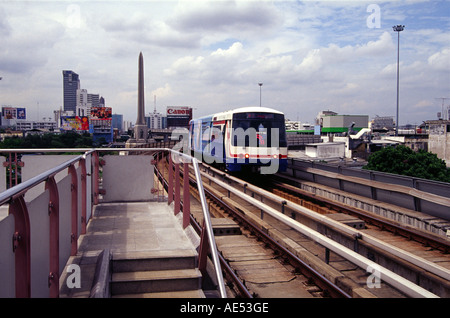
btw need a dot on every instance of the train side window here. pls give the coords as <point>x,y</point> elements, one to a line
<point>217,133</point>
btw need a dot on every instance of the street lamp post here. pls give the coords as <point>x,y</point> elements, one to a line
<point>260,84</point>
<point>398,29</point>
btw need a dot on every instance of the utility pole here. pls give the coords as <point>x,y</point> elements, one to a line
<point>398,29</point>
<point>260,84</point>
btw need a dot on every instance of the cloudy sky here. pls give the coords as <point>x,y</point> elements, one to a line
<point>211,55</point>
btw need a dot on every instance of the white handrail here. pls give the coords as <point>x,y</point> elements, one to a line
<point>207,218</point>
<point>390,277</point>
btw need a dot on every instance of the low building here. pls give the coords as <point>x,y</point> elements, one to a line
<point>385,123</point>
<point>326,150</point>
<point>439,139</point>
<point>25,125</point>
<point>342,123</point>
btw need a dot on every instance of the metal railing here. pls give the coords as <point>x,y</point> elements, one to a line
<point>207,236</point>
<point>404,285</point>
<point>20,259</point>
<point>23,234</point>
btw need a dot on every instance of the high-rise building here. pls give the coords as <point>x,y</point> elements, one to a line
<point>71,83</point>
<point>154,120</point>
<point>83,108</point>
<point>86,101</point>
<point>93,100</point>
<point>117,121</point>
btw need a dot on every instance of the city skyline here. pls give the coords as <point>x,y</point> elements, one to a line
<point>211,55</point>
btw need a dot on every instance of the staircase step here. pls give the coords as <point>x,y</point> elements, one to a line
<point>153,260</point>
<point>155,281</point>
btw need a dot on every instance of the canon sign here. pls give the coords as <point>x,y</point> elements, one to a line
<point>179,111</point>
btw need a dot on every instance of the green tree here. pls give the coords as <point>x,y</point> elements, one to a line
<point>68,139</point>
<point>404,161</point>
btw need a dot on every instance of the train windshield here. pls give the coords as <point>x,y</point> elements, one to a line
<point>258,129</point>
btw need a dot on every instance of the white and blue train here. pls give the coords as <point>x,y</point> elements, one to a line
<point>243,139</point>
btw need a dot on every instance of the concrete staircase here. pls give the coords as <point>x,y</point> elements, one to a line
<point>156,274</point>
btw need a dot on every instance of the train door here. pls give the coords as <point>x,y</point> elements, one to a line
<point>217,141</point>
<point>226,138</point>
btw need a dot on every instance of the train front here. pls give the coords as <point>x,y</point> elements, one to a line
<point>257,141</point>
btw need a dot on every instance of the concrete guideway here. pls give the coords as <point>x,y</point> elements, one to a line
<point>388,276</point>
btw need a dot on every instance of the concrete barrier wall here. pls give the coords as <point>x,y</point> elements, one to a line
<point>354,181</point>
<point>127,178</point>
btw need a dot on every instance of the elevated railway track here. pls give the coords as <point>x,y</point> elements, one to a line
<point>345,256</point>
<point>254,264</point>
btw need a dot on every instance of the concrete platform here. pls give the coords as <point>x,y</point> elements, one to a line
<point>136,227</point>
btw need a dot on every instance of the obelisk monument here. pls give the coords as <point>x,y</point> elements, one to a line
<point>140,128</point>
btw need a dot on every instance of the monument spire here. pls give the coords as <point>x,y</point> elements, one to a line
<point>140,128</point>
<point>141,106</point>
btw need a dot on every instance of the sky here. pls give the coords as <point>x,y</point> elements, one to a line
<point>309,56</point>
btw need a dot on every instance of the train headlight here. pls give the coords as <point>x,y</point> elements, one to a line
<point>275,156</point>
<point>247,156</point>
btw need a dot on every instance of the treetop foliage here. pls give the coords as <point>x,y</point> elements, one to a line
<point>67,139</point>
<point>405,161</point>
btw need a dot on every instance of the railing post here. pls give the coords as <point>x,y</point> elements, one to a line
<point>96,177</point>
<point>10,170</point>
<point>177,188</point>
<point>203,250</point>
<point>82,164</point>
<point>170,190</point>
<point>15,168</point>
<point>21,247</point>
<point>74,197</point>
<point>186,196</point>
<point>53,211</point>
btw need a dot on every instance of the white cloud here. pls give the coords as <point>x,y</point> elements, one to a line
<point>212,54</point>
<point>441,60</point>
<point>162,91</point>
<point>234,51</point>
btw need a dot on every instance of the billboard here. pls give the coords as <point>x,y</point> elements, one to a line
<point>74,123</point>
<point>178,116</point>
<point>14,113</point>
<point>21,113</point>
<point>177,111</point>
<point>101,113</point>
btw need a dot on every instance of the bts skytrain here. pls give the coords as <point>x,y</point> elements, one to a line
<point>244,139</point>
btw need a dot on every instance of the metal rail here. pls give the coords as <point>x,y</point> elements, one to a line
<point>208,224</point>
<point>176,156</point>
<point>385,223</point>
<point>418,261</point>
<point>244,292</point>
<point>319,279</point>
<point>391,278</point>
<point>19,189</point>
